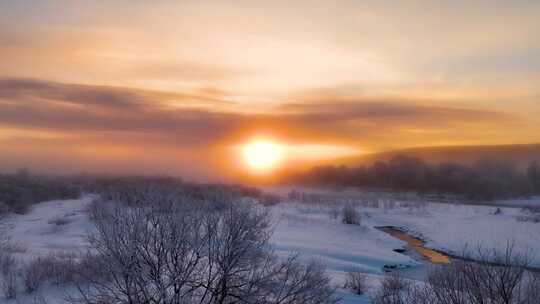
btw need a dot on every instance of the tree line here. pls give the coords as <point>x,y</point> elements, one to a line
<point>21,190</point>
<point>483,180</point>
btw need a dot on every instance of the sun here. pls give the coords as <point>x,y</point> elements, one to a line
<point>262,155</point>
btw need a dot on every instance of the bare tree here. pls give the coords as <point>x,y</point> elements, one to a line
<point>167,250</point>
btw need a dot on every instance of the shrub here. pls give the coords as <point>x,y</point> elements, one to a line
<point>64,268</point>
<point>7,262</point>
<point>34,274</point>
<point>9,272</point>
<point>394,290</point>
<point>57,268</point>
<point>334,212</point>
<point>38,299</point>
<point>9,285</point>
<point>350,215</point>
<point>497,277</point>
<point>356,281</point>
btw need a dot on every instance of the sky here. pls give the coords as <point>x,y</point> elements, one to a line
<point>179,87</point>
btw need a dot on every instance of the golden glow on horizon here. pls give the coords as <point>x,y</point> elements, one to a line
<point>160,81</point>
<point>262,155</point>
<point>266,155</point>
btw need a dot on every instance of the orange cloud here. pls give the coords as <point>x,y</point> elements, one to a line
<point>96,125</point>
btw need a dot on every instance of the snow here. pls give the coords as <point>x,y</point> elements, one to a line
<point>312,231</point>
<point>447,227</point>
<point>453,228</point>
<point>37,232</point>
<point>340,247</point>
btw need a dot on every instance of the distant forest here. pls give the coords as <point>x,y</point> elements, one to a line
<point>21,190</point>
<point>484,180</point>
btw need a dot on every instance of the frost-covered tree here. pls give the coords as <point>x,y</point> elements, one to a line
<point>168,250</point>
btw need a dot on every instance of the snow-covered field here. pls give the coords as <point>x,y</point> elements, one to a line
<point>314,235</point>
<point>314,231</point>
<point>453,228</point>
<point>447,227</point>
<point>54,226</point>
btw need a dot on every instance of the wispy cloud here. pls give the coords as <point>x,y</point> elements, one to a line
<point>37,104</point>
<point>390,112</point>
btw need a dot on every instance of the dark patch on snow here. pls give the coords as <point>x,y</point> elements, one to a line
<point>391,267</point>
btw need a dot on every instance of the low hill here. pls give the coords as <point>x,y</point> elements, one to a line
<point>521,155</point>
